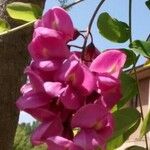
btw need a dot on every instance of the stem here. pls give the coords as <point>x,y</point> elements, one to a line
<point>148,38</point>
<point>89,34</point>
<point>130,19</point>
<point>135,72</point>
<point>17,28</point>
<point>90,26</point>
<point>76,46</point>
<point>72,4</point>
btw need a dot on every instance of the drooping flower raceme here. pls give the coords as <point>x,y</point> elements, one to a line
<point>67,94</point>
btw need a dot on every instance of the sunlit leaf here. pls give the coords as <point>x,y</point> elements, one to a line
<point>129,89</point>
<point>4,26</point>
<point>24,11</point>
<point>146,125</point>
<point>141,47</point>
<point>112,29</point>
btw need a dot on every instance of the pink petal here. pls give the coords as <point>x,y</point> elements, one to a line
<point>96,114</point>
<point>53,89</point>
<point>88,139</point>
<point>78,76</point>
<point>41,114</point>
<point>60,143</point>
<point>46,130</point>
<point>107,82</point>
<point>36,105</point>
<point>88,84</point>
<point>70,72</point>
<point>57,19</point>
<point>107,131</point>
<point>47,65</point>
<point>71,99</point>
<point>35,80</point>
<point>111,97</point>
<point>110,61</point>
<point>47,44</point>
<point>32,100</point>
<point>45,75</point>
<point>26,88</point>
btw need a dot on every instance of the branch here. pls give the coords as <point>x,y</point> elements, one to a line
<point>90,26</point>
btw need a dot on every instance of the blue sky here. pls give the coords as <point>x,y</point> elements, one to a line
<point>118,9</point>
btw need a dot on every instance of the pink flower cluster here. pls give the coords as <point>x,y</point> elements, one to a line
<point>65,93</point>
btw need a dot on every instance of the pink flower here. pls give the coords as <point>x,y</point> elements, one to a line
<point>110,62</point>
<point>107,67</point>
<point>64,92</point>
<point>78,76</point>
<point>96,126</point>
<point>59,20</point>
<point>47,44</point>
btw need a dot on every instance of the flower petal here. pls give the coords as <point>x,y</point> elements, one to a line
<point>111,97</point>
<point>71,99</point>
<point>26,88</point>
<point>57,19</point>
<point>53,89</point>
<point>89,139</point>
<point>47,44</point>
<point>35,80</point>
<point>110,61</point>
<point>96,114</point>
<point>60,143</point>
<point>46,130</point>
<point>32,100</point>
<point>36,105</point>
<point>47,65</point>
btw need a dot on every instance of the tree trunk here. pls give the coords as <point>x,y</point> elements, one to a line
<point>13,59</point>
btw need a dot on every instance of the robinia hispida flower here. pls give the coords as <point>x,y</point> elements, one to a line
<point>65,92</point>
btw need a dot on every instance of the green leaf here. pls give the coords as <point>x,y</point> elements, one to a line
<point>132,129</point>
<point>131,57</point>
<point>148,3</point>
<point>4,26</point>
<point>142,47</point>
<point>135,148</point>
<point>112,29</point>
<point>116,142</point>
<point>24,11</point>
<point>146,125</point>
<point>129,89</point>
<point>125,119</point>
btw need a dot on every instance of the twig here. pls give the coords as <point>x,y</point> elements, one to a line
<point>17,28</point>
<point>76,46</point>
<point>90,26</point>
<point>135,72</point>
<point>72,4</point>
<point>89,34</point>
<point>148,38</point>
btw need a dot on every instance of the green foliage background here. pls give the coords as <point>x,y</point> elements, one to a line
<point>22,138</point>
